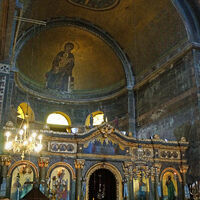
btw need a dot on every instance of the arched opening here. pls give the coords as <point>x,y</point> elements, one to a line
<point>97,117</point>
<point>102,185</point>
<point>24,111</point>
<point>59,121</point>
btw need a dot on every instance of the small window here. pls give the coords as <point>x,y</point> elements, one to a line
<point>24,111</point>
<point>20,113</point>
<point>98,118</point>
<point>59,121</point>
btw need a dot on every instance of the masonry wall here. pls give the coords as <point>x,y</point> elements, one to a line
<point>77,111</point>
<point>168,101</point>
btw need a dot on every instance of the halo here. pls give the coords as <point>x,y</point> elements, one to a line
<point>76,45</point>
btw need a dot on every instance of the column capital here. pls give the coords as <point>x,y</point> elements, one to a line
<point>128,168</point>
<point>79,163</point>
<point>157,167</point>
<point>183,169</point>
<point>43,161</point>
<point>5,160</point>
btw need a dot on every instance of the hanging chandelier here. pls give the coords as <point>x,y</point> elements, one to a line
<point>22,140</point>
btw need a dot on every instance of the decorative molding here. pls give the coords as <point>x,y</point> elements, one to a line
<point>72,98</point>
<point>4,68</point>
<point>106,130</point>
<point>112,169</point>
<point>62,147</point>
<point>5,160</point>
<point>168,154</point>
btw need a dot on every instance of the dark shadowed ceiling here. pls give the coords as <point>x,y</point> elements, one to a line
<point>146,30</point>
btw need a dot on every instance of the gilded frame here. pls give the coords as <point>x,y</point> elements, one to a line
<point>112,169</point>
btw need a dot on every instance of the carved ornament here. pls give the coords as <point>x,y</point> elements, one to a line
<point>4,68</point>
<point>183,169</point>
<point>5,160</point>
<point>43,162</point>
<point>105,130</point>
<point>79,163</point>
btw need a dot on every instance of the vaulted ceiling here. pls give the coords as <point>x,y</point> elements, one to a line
<point>145,30</point>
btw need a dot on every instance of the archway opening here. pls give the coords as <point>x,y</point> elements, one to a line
<point>98,118</point>
<point>59,121</point>
<point>102,185</point>
<point>25,112</point>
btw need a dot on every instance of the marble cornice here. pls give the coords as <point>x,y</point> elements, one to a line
<point>71,98</point>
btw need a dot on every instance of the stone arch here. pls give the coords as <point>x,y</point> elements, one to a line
<point>85,25</point>
<point>27,110</point>
<point>112,169</point>
<point>189,19</point>
<point>62,164</point>
<point>63,114</point>
<point>24,162</point>
<point>87,120</point>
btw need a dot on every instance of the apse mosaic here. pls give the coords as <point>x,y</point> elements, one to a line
<point>103,146</point>
<point>60,75</point>
<point>69,59</point>
<point>22,181</point>
<point>95,4</point>
<point>59,184</point>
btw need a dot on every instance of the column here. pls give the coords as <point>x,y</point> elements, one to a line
<point>196,57</point>
<point>152,184</point>
<point>128,173</point>
<point>73,189</point>
<point>183,170</point>
<point>43,163</point>
<point>157,168</point>
<point>131,112</point>
<point>79,164</point>
<point>5,161</point>
<point>147,176</point>
<point>83,189</point>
